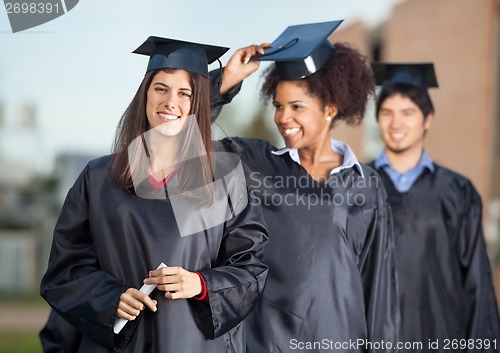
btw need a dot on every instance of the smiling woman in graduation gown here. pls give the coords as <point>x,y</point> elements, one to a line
<point>331,263</point>
<point>59,336</point>
<point>109,237</point>
<point>332,282</point>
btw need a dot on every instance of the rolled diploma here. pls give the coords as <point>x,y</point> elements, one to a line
<point>146,288</point>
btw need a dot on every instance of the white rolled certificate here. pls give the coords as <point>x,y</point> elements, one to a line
<point>146,288</point>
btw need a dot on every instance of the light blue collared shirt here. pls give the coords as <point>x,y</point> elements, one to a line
<point>404,181</point>
<point>338,147</point>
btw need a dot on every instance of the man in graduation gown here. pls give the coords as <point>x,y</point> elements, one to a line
<point>447,298</point>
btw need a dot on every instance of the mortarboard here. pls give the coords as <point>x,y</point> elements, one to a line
<point>420,75</point>
<point>301,50</point>
<point>168,53</point>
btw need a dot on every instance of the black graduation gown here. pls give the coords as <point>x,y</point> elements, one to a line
<point>106,240</point>
<point>446,291</point>
<point>331,276</point>
<point>58,335</point>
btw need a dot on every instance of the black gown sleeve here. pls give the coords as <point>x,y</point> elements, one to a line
<point>237,280</point>
<point>481,311</point>
<point>218,100</point>
<point>58,336</point>
<point>378,273</point>
<point>74,284</point>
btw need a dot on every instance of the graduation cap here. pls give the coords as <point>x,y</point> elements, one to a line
<point>301,50</point>
<point>420,75</point>
<point>168,53</point>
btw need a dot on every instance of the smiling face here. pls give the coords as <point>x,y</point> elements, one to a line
<point>402,124</point>
<point>169,101</point>
<point>300,118</point>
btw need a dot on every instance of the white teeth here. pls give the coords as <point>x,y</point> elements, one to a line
<point>291,131</point>
<point>168,117</point>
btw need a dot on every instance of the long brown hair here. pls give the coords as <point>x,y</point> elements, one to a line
<point>134,123</point>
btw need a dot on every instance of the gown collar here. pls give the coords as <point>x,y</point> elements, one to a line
<point>425,161</point>
<point>350,159</point>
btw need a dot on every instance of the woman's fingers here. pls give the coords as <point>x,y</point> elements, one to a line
<point>252,50</point>
<point>176,282</point>
<point>132,302</point>
<point>240,66</point>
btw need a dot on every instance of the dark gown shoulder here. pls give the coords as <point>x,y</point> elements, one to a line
<point>245,145</point>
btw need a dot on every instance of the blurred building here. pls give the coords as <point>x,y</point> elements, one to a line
<point>30,201</point>
<point>462,39</point>
<point>18,237</point>
<point>67,168</point>
<point>22,202</point>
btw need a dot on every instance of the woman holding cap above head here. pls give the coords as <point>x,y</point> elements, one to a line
<point>162,197</point>
<point>331,275</point>
<point>447,298</point>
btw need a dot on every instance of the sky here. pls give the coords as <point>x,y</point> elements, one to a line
<point>78,74</point>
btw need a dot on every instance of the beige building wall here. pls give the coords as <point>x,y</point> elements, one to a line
<point>355,34</point>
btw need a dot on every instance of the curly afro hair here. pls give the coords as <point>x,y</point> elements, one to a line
<point>345,81</point>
